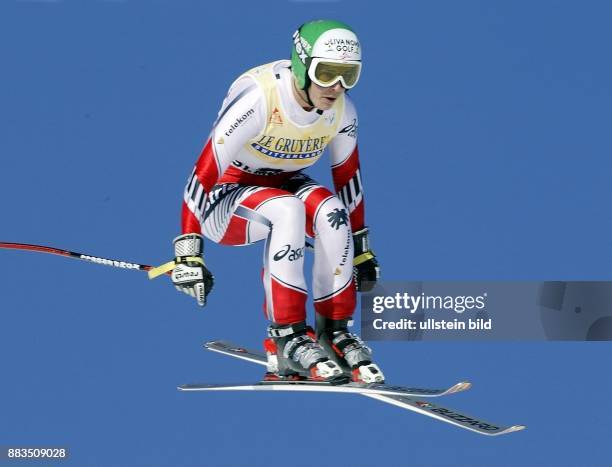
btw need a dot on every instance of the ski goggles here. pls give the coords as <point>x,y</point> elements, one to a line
<point>326,72</point>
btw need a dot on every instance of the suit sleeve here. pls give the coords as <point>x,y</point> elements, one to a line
<point>240,119</point>
<point>344,155</point>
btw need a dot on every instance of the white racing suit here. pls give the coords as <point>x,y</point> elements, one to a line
<point>247,186</point>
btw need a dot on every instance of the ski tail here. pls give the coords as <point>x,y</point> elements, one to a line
<point>227,348</point>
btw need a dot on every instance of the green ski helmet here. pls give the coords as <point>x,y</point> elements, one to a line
<point>325,42</point>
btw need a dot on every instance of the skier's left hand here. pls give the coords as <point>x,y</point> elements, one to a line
<point>365,266</point>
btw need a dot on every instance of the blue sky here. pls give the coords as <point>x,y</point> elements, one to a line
<point>484,135</point>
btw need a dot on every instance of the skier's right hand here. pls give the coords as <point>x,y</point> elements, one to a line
<point>190,274</point>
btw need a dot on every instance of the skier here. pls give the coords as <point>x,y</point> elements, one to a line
<point>248,185</point>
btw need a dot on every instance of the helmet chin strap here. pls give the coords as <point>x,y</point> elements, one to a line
<point>308,97</point>
<point>298,92</point>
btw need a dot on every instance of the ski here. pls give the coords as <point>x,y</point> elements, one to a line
<point>426,408</point>
<point>327,386</point>
<point>232,350</point>
<point>447,415</point>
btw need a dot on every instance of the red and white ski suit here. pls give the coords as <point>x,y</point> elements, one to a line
<point>248,185</point>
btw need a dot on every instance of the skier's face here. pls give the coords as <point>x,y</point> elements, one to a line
<point>324,98</point>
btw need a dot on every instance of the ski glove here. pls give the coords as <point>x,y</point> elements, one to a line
<point>365,267</point>
<point>190,274</point>
<point>188,271</point>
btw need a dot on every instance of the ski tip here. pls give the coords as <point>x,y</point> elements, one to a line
<point>511,429</point>
<point>459,387</point>
<point>515,428</point>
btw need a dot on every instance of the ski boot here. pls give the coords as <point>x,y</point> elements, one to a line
<point>348,350</point>
<point>294,353</point>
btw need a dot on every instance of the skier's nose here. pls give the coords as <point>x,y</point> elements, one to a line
<point>338,87</point>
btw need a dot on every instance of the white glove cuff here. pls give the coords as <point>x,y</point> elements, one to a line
<point>188,245</point>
